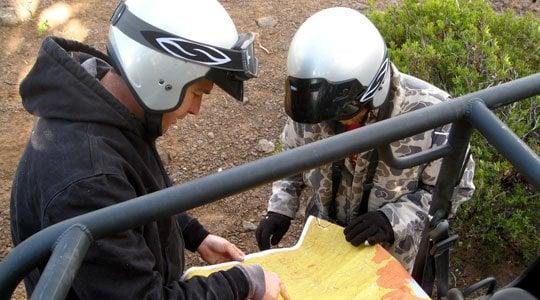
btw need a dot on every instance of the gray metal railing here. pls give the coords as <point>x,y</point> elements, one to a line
<point>69,240</point>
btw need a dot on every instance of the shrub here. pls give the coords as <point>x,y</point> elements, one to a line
<point>463,46</point>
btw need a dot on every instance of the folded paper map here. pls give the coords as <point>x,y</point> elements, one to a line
<point>322,265</point>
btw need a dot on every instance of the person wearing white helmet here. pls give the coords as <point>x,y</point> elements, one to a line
<point>340,78</point>
<point>94,145</point>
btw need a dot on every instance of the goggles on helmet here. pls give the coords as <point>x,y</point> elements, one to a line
<point>313,100</point>
<point>229,68</point>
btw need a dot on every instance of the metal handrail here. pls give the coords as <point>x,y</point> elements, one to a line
<point>174,200</point>
<point>67,257</point>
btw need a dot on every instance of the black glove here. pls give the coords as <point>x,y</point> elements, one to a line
<point>373,227</point>
<point>272,225</point>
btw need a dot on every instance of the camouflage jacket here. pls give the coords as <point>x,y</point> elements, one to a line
<point>402,195</point>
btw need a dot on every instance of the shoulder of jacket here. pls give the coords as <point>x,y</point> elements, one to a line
<point>413,93</point>
<point>417,86</point>
<point>302,129</point>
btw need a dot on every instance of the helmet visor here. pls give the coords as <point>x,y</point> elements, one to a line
<point>314,100</point>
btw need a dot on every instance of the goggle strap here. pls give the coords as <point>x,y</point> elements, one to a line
<point>179,47</point>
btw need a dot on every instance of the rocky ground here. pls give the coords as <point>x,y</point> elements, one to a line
<point>224,135</point>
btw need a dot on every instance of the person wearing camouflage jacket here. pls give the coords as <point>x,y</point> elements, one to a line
<point>402,196</point>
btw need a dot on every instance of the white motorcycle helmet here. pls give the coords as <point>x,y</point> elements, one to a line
<point>161,47</point>
<point>337,64</point>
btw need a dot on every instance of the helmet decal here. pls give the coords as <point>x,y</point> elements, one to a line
<point>376,82</point>
<point>191,51</point>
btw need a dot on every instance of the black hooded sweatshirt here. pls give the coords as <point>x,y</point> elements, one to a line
<point>86,152</point>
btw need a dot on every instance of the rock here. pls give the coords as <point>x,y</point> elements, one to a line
<point>248,226</point>
<point>265,146</point>
<point>266,22</point>
<point>13,12</point>
<point>211,135</point>
<point>8,16</point>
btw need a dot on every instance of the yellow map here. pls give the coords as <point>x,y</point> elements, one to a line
<point>322,265</point>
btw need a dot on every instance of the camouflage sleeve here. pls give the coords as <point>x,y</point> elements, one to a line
<point>409,212</point>
<point>286,192</point>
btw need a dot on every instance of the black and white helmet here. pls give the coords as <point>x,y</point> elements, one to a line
<point>161,47</point>
<point>337,64</point>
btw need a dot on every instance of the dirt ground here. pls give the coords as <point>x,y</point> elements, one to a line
<point>224,135</point>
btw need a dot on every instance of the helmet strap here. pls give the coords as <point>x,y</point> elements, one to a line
<point>153,123</point>
<point>385,110</point>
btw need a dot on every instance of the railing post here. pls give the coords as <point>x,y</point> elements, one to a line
<point>432,261</point>
<point>451,168</point>
<point>67,256</point>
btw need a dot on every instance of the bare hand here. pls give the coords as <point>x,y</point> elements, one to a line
<point>274,287</point>
<point>215,249</point>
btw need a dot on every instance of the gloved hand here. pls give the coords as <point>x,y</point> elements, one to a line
<point>372,227</point>
<point>272,228</point>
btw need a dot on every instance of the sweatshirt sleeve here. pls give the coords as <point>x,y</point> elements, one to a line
<point>192,231</point>
<point>122,266</point>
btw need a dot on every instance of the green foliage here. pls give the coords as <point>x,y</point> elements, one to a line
<point>279,147</point>
<point>42,27</point>
<point>463,46</point>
